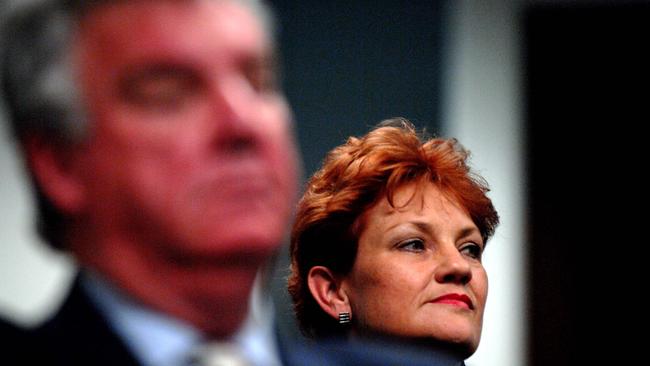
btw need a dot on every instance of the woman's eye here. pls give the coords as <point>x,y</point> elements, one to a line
<point>412,245</point>
<point>473,250</point>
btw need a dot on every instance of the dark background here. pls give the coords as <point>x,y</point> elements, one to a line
<point>350,64</point>
<point>586,91</point>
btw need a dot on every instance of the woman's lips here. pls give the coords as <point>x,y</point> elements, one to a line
<point>459,300</point>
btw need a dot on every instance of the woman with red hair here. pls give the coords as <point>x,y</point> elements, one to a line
<point>388,240</point>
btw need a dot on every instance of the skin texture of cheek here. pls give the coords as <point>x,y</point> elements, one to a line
<point>393,303</point>
<point>380,298</point>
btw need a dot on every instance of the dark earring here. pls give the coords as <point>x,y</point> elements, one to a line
<point>344,318</point>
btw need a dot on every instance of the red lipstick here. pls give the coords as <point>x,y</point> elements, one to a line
<point>459,300</point>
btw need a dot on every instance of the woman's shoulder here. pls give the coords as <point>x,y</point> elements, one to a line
<point>336,352</point>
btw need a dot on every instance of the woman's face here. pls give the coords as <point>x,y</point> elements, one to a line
<point>418,271</point>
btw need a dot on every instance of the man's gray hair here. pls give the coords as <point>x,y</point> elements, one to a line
<point>38,83</point>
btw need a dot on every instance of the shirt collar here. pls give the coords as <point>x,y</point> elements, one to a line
<point>157,339</point>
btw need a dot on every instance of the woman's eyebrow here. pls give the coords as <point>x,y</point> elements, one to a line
<point>468,231</point>
<point>420,225</point>
<point>426,227</point>
<point>423,226</point>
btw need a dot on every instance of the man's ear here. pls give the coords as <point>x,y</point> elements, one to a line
<point>327,291</point>
<point>53,168</point>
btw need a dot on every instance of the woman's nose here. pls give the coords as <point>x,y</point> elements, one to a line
<point>453,267</point>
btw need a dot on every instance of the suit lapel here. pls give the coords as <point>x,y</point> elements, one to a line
<point>79,335</point>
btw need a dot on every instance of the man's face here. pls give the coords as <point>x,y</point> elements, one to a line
<point>190,147</point>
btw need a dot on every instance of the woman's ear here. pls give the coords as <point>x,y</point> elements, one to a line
<point>326,290</point>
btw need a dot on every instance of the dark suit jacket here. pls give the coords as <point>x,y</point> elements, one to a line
<point>13,343</point>
<point>77,335</point>
<point>366,353</point>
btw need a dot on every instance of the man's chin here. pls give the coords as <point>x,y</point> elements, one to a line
<point>228,244</point>
<point>219,306</point>
<point>221,327</point>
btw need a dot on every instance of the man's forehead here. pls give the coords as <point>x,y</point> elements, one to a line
<point>157,25</point>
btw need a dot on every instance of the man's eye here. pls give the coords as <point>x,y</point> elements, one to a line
<point>167,92</point>
<point>472,250</point>
<point>412,245</point>
<point>262,75</point>
<point>161,89</point>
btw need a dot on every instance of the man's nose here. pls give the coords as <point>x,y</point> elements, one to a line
<point>453,267</point>
<point>233,118</point>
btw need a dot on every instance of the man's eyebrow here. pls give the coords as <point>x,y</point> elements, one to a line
<point>146,70</point>
<point>135,74</point>
<point>268,60</point>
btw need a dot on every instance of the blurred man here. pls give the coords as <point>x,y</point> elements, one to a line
<point>163,160</point>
